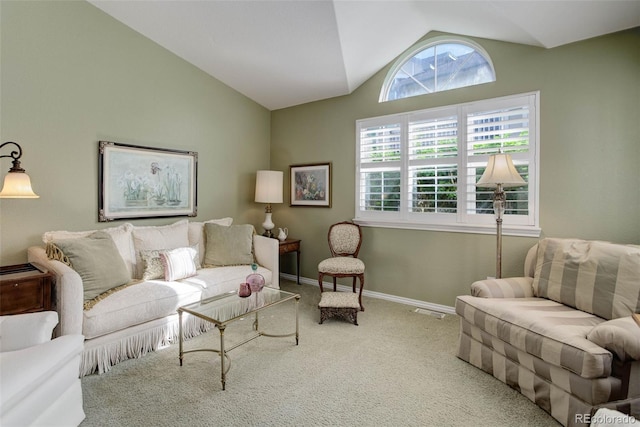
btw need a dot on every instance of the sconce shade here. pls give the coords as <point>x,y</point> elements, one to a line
<point>269,186</point>
<point>17,185</point>
<point>500,170</point>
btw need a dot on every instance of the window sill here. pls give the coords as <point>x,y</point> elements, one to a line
<point>507,230</point>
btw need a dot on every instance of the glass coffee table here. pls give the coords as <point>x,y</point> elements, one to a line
<point>224,309</point>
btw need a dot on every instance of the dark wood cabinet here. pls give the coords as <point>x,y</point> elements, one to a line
<point>25,289</point>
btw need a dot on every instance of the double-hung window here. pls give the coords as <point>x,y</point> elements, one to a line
<point>419,169</point>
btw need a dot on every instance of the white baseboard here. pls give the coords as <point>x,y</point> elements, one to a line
<point>407,301</point>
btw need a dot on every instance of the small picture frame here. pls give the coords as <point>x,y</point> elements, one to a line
<point>145,182</point>
<point>311,185</point>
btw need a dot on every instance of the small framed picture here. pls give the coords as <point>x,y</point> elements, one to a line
<point>311,185</point>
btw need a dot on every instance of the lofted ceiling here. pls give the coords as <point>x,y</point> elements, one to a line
<point>290,52</point>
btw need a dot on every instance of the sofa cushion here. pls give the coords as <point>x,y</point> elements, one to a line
<point>198,237</point>
<point>543,328</point>
<point>97,260</point>
<point>171,236</point>
<point>217,280</point>
<point>154,299</point>
<point>137,304</point>
<point>232,245</point>
<point>600,278</point>
<point>179,263</point>
<point>121,236</point>
<point>620,336</point>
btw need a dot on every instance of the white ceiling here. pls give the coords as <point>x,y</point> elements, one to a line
<point>285,53</point>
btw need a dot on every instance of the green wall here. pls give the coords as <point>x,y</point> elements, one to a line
<point>71,76</point>
<point>589,167</point>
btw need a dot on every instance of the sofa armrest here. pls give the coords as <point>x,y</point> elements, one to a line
<point>26,330</point>
<point>620,336</point>
<point>512,287</point>
<point>69,291</point>
<point>267,252</point>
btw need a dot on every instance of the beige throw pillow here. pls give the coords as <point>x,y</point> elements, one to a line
<point>97,260</point>
<point>228,245</point>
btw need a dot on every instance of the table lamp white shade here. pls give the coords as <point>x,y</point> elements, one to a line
<point>500,170</point>
<point>268,190</point>
<point>269,186</point>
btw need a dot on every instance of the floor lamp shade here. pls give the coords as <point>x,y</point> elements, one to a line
<point>268,190</point>
<point>500,170</point>
<point>500,174</point>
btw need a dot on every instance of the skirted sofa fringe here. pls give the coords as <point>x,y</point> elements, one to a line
<point>102,357</point>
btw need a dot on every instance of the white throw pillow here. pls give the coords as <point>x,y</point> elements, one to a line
<point>159,237</point>
<point>178,263</point>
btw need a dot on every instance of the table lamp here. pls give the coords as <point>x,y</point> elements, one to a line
<point>268,190</point>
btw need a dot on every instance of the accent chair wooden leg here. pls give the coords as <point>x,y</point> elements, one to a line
<point>320,276</point>
<point>361,276</point>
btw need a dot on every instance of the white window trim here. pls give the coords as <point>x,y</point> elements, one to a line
<point>486,224</point>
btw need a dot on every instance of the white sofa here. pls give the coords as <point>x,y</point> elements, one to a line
<point>39,381</point>
<point>141,316</point>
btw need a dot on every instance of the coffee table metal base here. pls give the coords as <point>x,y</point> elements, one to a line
<point>225,361</point>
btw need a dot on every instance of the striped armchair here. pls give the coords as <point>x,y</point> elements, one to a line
<point>563,334</point>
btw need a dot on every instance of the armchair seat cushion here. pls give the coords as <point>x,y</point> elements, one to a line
<point>341,265</point>
<point>543,328</point>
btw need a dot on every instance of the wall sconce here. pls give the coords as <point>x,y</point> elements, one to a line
<point>268,190</point>
<point>17,184</point>
<point>500,174</point>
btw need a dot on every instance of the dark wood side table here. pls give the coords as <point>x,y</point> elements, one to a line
<point>25,289</point>
<point>292,245</point>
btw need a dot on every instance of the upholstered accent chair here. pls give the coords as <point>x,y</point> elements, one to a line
<point>345,239</point>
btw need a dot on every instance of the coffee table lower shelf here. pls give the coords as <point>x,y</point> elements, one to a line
<point>211,308</point>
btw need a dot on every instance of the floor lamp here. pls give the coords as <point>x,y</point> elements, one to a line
<point>500,174</point>
<point>268,190</point>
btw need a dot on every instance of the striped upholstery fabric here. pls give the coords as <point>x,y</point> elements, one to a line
<point>561,405</point>
<point>543,328</point>
<point>592,390</point>
<point>596,277</point>
<point>513,287</point>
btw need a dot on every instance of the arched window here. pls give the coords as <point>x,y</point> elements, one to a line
<point>436,65</point>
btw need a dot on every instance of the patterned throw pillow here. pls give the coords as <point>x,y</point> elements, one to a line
<point>178,263</point>
<point>152,265</point>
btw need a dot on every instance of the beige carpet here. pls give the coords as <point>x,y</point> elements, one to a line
<point>397,368</point>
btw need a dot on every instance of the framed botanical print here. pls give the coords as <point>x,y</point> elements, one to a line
<point>144,182</point>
